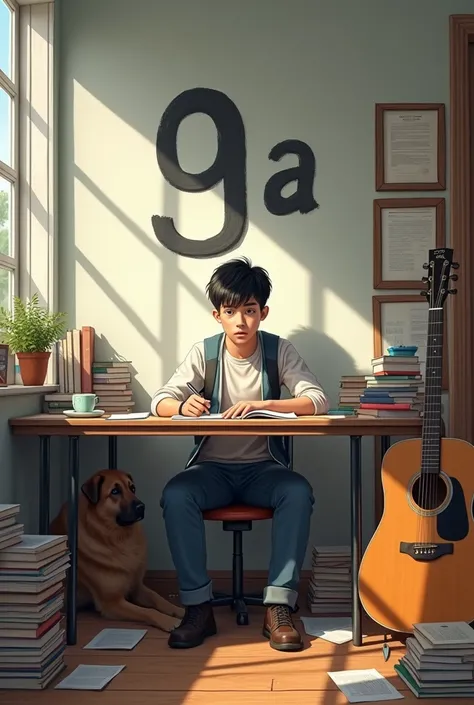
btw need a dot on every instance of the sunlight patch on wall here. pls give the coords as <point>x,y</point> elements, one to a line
<point>116,157</point>
<point>348,329</point>
<point>117,282</point>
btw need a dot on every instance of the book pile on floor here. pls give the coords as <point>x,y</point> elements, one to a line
<point>75,353</point>
<point>352,387</point>
<point>32,640</point>
<point>112,382</point>
<point>329,590</point>
<point>394,390</point>
<point>10,530</point>
<point>439,660</point>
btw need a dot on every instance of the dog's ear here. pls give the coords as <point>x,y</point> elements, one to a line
<point>92,488</point>
<point>130,478</point>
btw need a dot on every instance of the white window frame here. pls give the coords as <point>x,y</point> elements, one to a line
<point>11,173</point>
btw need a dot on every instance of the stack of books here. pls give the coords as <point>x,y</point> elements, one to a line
<point>439,660</point>
<point>32,640</point>
<point>112,382</point>
<point>75,353</point>
<point>11,530</point>
<point>352,387</point>
<point>394,390</point>
<point>329,590</point>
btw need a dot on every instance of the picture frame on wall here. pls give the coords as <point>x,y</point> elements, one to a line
<point>410,147</point>
<point>4,354</point>
<point>404,230</point>
<point>402,319</point>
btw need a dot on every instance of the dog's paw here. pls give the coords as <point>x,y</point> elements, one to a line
<point>167,624</point>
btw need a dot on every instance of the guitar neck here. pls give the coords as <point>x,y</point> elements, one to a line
<point>432,423</point>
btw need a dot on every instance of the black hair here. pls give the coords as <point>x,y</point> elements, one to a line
<point>236,282</point>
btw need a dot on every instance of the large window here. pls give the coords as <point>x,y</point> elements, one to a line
<point>9,152</point>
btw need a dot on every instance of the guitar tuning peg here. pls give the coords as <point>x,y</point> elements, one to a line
<point>426,265</point>
<point>425,294</point>
<point>452,291</point>
<point>425,280</point>
<point>454,277</point>
<point>455,265</point>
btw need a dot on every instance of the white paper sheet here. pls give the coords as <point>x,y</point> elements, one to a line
<point>135,416</point>
<point>89,678</point>
<point>112,639</point>
<point>337,630</point>
<point>364,686</point>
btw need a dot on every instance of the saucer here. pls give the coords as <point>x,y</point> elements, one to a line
<point>83,414</point>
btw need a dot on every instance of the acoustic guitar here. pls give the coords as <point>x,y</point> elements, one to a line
<point>419,564</point>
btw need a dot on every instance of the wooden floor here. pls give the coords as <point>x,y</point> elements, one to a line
<point>236,667</point>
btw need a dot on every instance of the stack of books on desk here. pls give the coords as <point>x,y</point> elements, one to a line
<point>394,390</point>
<point>112,382</point>
<point>11,530</point>
<point>329,590</point>
<point>351,389</point>
<point>439,661</point>
<point>75,353</point>
<point>32,640</point>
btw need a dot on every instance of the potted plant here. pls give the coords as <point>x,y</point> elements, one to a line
<point>31,331</point>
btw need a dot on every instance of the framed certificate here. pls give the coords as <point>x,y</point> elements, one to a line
<point>410,147</point>
<point>405,229</point>
<point>402,319</point>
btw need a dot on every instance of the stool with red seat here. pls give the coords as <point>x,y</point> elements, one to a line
<point>238,518</point>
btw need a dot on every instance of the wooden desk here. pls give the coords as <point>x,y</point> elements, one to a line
<point>46,425</point>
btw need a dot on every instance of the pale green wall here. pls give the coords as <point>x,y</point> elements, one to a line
<point>19,461</point>
<point>311,71</point>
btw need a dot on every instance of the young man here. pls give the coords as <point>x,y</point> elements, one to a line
<point>241,369</point>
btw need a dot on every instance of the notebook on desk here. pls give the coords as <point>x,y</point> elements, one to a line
<point>254,414</point>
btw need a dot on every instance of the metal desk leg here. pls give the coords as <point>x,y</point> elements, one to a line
<point>71,615</point>
<point>44,478</point>
<point>290,451</point>
<point>384,444</point>
<point>113,452</point>
<point>356,536</point>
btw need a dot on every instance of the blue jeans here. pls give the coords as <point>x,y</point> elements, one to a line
<point>210,485</point>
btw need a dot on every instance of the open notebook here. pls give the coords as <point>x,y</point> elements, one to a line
<point>255,414</point>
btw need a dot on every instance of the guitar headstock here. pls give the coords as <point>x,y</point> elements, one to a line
<point>439,273</point>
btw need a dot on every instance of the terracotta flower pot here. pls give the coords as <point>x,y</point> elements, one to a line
<point>33,367</point>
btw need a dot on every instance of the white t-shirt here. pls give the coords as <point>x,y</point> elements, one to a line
<point>241,381</point>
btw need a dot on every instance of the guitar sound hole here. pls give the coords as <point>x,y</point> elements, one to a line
<point>429,492</point>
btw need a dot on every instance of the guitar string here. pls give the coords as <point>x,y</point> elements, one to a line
<point>438,356</point>
<point>429,480</point>
<point>423,479</point>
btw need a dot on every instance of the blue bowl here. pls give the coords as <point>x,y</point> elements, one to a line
<point>402,350</point>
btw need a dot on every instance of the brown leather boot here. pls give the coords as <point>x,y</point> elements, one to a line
<point>198,623</point>
<point>279,628</point>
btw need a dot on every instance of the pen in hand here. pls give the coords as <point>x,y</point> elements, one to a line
<point>193,390</point>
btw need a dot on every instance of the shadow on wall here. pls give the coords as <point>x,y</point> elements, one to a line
<point>328,361</point>
<point>324,357</point>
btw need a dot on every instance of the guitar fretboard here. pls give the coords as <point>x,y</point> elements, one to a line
<point>431,431</point>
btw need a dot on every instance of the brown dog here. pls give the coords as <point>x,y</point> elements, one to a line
<point>112,553</point>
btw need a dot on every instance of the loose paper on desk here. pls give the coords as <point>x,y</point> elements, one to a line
<point>337,630</point>
<point>112,639</point>
<point>365,686</point>
<point>254,414</point>
<point>89,677</point>
<point>136,416</point>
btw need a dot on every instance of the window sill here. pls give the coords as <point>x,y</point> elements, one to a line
<point>15,389</point>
